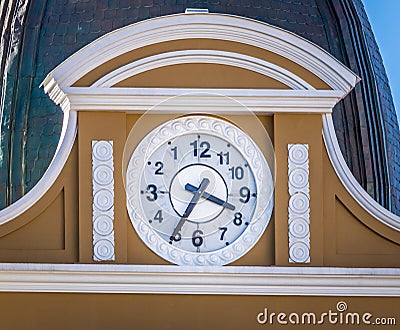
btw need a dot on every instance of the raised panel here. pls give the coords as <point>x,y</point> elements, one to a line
<point>45,232</point>
<point>353,237</point>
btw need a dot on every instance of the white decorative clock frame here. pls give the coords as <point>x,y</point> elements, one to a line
<point>256,161</point>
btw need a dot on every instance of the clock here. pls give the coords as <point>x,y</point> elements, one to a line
<point>199,191</point>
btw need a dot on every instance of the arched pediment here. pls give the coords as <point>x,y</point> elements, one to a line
<point>294,61</point>
<point>310,79</point>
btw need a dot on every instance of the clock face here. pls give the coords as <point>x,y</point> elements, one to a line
<point>195,189</point>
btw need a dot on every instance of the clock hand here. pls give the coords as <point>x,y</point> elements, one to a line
<point>195,199</point>
<point>210,197</point>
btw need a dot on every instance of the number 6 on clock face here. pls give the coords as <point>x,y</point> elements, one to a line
<point>199,191</point>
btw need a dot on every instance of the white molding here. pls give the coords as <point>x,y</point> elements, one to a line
<point>103,200</point>
<point>210,26</point>
<point>196,10</point>
<point>61,155</point>
<point>139,100</point>
<point>56,93</point>
<point>299,203</point>
<point>349,181</point>
<point>228,280</point>
<point>203,56</point>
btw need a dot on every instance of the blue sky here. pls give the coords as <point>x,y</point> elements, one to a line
<point>384,16</point>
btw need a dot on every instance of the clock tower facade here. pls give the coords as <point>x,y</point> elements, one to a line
<point>200,169</point>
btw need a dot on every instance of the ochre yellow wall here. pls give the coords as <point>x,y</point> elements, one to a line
<point>101,126</point>
<point>177,312</point>
<point>48,231</point>
<point>303,129</point>
<point>199,75</point>
<point>352,237</point>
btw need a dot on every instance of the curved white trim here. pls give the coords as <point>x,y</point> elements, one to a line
<point>227,280</point>
<point>350,183</point>
<point>211,26</point>
<point>64,147</point>
<point>203,56</point>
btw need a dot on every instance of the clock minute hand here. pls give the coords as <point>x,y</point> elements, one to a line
<point>210,197</point>
<point>195,199</point>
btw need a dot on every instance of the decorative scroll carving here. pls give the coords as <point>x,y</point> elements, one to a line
<point>299,203</point>
<point>103,200</point>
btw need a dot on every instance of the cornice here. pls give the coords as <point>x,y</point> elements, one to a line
<point>228,280</point>
<point>211,26</point>
<point>139,100</point>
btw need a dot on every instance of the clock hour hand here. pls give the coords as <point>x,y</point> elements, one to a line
<point>195,199</point>
<point>210,197</point>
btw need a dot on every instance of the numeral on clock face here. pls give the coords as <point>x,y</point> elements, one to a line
<point>203,150</point>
